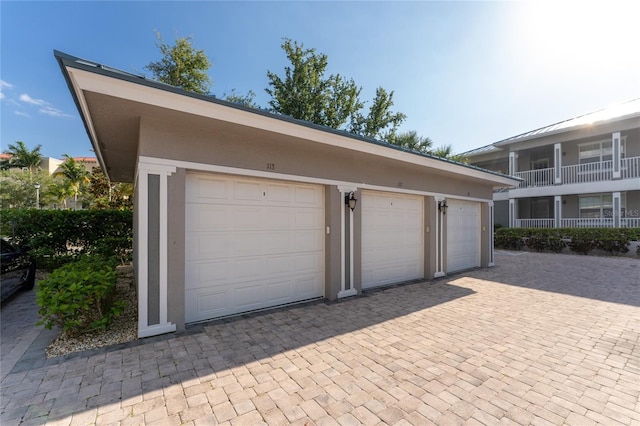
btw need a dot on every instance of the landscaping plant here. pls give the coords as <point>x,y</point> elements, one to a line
<point>78,296</point>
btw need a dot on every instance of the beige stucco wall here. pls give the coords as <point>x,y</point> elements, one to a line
<point>195,142</point>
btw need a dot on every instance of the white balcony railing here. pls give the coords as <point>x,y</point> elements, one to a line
<point>589,172</point>
<point>587,222</point>
<point>534,223</point>
<point>630,168</point>
<point>580,173</point>
<point>629,222</point>
<point>540,177</point>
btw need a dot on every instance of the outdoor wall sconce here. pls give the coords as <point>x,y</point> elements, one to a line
<point>350,200</point>
<point>442,206</point>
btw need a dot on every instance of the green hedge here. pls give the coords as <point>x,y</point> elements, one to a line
<point>59,236</point>
<point>78,297</point>
<point>580,240</point>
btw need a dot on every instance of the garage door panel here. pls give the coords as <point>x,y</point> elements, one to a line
<point>251,244</point>
<point>207,217</point>
<point>463,235</point>
<point>278,193</point>
<point>247,191</point>
<point>392,238</point>
<point>203,189</point>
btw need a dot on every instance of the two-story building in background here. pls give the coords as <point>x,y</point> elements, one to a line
<point>581,172</point>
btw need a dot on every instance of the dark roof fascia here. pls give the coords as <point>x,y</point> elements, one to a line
<point>66,60</point>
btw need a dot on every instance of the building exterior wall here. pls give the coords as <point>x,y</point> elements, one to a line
<point>176,142</point>
<point>193,144</point>
<point>501,213</point>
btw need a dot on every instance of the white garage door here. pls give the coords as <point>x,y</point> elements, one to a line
<point>392,238</point>
<point>251,244</point>
<point>463,235</point>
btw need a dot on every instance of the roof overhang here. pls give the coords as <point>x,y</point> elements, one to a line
<point>116,147</point>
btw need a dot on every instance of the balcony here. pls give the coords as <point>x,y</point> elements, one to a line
<point>580,173</point>
<point>629,222</point>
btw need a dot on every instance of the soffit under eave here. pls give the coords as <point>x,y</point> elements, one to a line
<point>105,138</point>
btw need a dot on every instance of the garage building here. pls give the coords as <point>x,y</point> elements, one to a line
<point>237,209</point>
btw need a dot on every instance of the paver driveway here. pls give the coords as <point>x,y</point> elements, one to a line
<point>538,339</point>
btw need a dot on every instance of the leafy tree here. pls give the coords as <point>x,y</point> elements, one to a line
<point>76,174</point>
<point>246,100</point>
<point>17,189</point>
<point>305,92</point>
<point>446,151</point>
<point>21,156</point>
<point>381,122</point>
<point>60,191</point>
<point>412,141</point>
<point>107,195</point>
<point>182,66</point>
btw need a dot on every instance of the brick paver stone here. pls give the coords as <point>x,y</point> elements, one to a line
<point>538,339</point>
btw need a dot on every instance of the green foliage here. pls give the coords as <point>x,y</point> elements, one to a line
<point>247,100</point>
<point>543,241</point>
<point>412,141</point>
<point>182,66</point>
<point>103,194</point>
<point>21,156</point>
<point>381,123</point>
<point>579,240</point>
<point>78,296</point>
<point>17,188</point>
<point>446,151</point>
<point>307,94</point>
<point>59,236</point>
<point>509,239</point>
<point>76,176</point>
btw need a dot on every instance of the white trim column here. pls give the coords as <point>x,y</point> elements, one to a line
<point>490,229</point>
<point>557,211</point>
<point>557,163</point>
<point>513,163</point>
<point>617,209</point>
<point>344,291</point>
<point>163,326</point>
<point>439,240</point>
<point>617,155</point>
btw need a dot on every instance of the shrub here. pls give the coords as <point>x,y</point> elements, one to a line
<point>509,238</point>
<point>60,236</point>
<point>580,240</point>
<point>78,296</point>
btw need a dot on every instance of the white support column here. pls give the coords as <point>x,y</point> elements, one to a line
<point>513,163</point>
<point>512,213</point>
<point>490,229</point>
<point>344,291</point>
<point>163,326</point>
<point>439,240</point>
<point>617,155</point>
<point>557,163</point>
<point>617,209</point>
<point>557,211</point>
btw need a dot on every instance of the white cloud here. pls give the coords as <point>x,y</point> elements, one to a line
<point>28,99</point>
<point>22,114</point>
<point>5,84</point>
<point>1,95</point>
<point>53,112</point>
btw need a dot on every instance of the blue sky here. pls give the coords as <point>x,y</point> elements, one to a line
<point>465,73</point>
